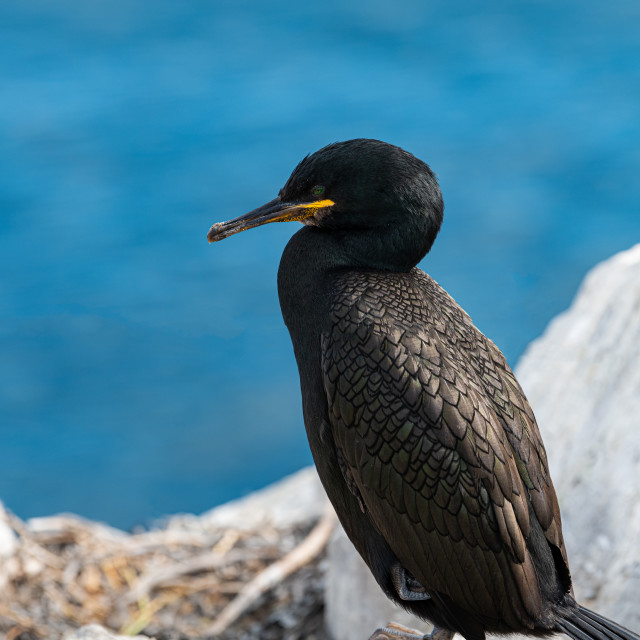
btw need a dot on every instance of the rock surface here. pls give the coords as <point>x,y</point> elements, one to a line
<point>582,378</point>
<point>8,547</point>
<point>583,381</point>
<point>96,632</point>
<point>292,501</point>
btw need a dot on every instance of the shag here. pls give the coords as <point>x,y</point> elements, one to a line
<point>423,439</point>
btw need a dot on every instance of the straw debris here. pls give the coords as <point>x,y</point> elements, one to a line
<point>173,583</point>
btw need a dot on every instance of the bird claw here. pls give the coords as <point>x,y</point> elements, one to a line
<point>394,631</point>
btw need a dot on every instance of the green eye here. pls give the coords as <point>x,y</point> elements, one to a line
<point>318,191</point>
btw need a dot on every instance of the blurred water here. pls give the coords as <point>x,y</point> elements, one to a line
<point>143,372</point>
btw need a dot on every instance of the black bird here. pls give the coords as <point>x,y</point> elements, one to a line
<point>423,439</point>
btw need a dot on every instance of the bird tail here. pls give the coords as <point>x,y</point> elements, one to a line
<point>584,624</point>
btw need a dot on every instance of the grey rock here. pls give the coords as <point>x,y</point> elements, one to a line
<point>293,501</point>
<point>582,378</point>
<point>96,632</point>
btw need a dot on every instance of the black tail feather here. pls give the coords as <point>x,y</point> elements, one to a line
<point>621,631</point>
<point>576,632</point>
<point>602,629</point>
<point>584,624</point>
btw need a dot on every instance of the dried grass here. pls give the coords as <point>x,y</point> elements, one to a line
<point>170,584</point>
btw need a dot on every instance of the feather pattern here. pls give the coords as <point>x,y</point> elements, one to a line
<point>438,442</point>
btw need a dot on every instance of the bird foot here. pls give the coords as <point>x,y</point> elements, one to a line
<point>394,631</point>
<point>407,587</point>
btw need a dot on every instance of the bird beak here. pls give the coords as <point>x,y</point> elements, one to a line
<point>274,211</point>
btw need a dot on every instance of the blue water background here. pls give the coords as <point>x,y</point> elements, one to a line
<point>143,372</point>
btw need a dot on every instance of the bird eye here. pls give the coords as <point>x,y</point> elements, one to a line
<point>318,190</point>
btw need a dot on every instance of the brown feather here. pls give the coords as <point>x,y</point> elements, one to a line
<point>446,445</point>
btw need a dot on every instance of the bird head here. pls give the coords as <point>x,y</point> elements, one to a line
<point>353,189</point>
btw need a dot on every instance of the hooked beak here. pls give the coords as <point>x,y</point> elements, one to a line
<point>274,211</point>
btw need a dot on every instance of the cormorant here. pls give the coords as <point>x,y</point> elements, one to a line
<point>423,439</point>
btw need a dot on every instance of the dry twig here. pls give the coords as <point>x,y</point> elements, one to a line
<point>306,551</point>
<point>67,572</point>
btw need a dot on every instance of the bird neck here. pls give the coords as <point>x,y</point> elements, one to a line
<point>306,260</point>
<point>386,248</point>
<point>312,255</point>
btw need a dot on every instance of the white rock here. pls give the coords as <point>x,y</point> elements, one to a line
<point>582,378</point>
<point>96,632</point>
<point>67,521</point>
<point>8,547</point>
<point>8,539</point>
<point>297,499</point>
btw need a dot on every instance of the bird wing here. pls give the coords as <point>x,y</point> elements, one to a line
<point>524,438</point>
<point>437,438</point>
